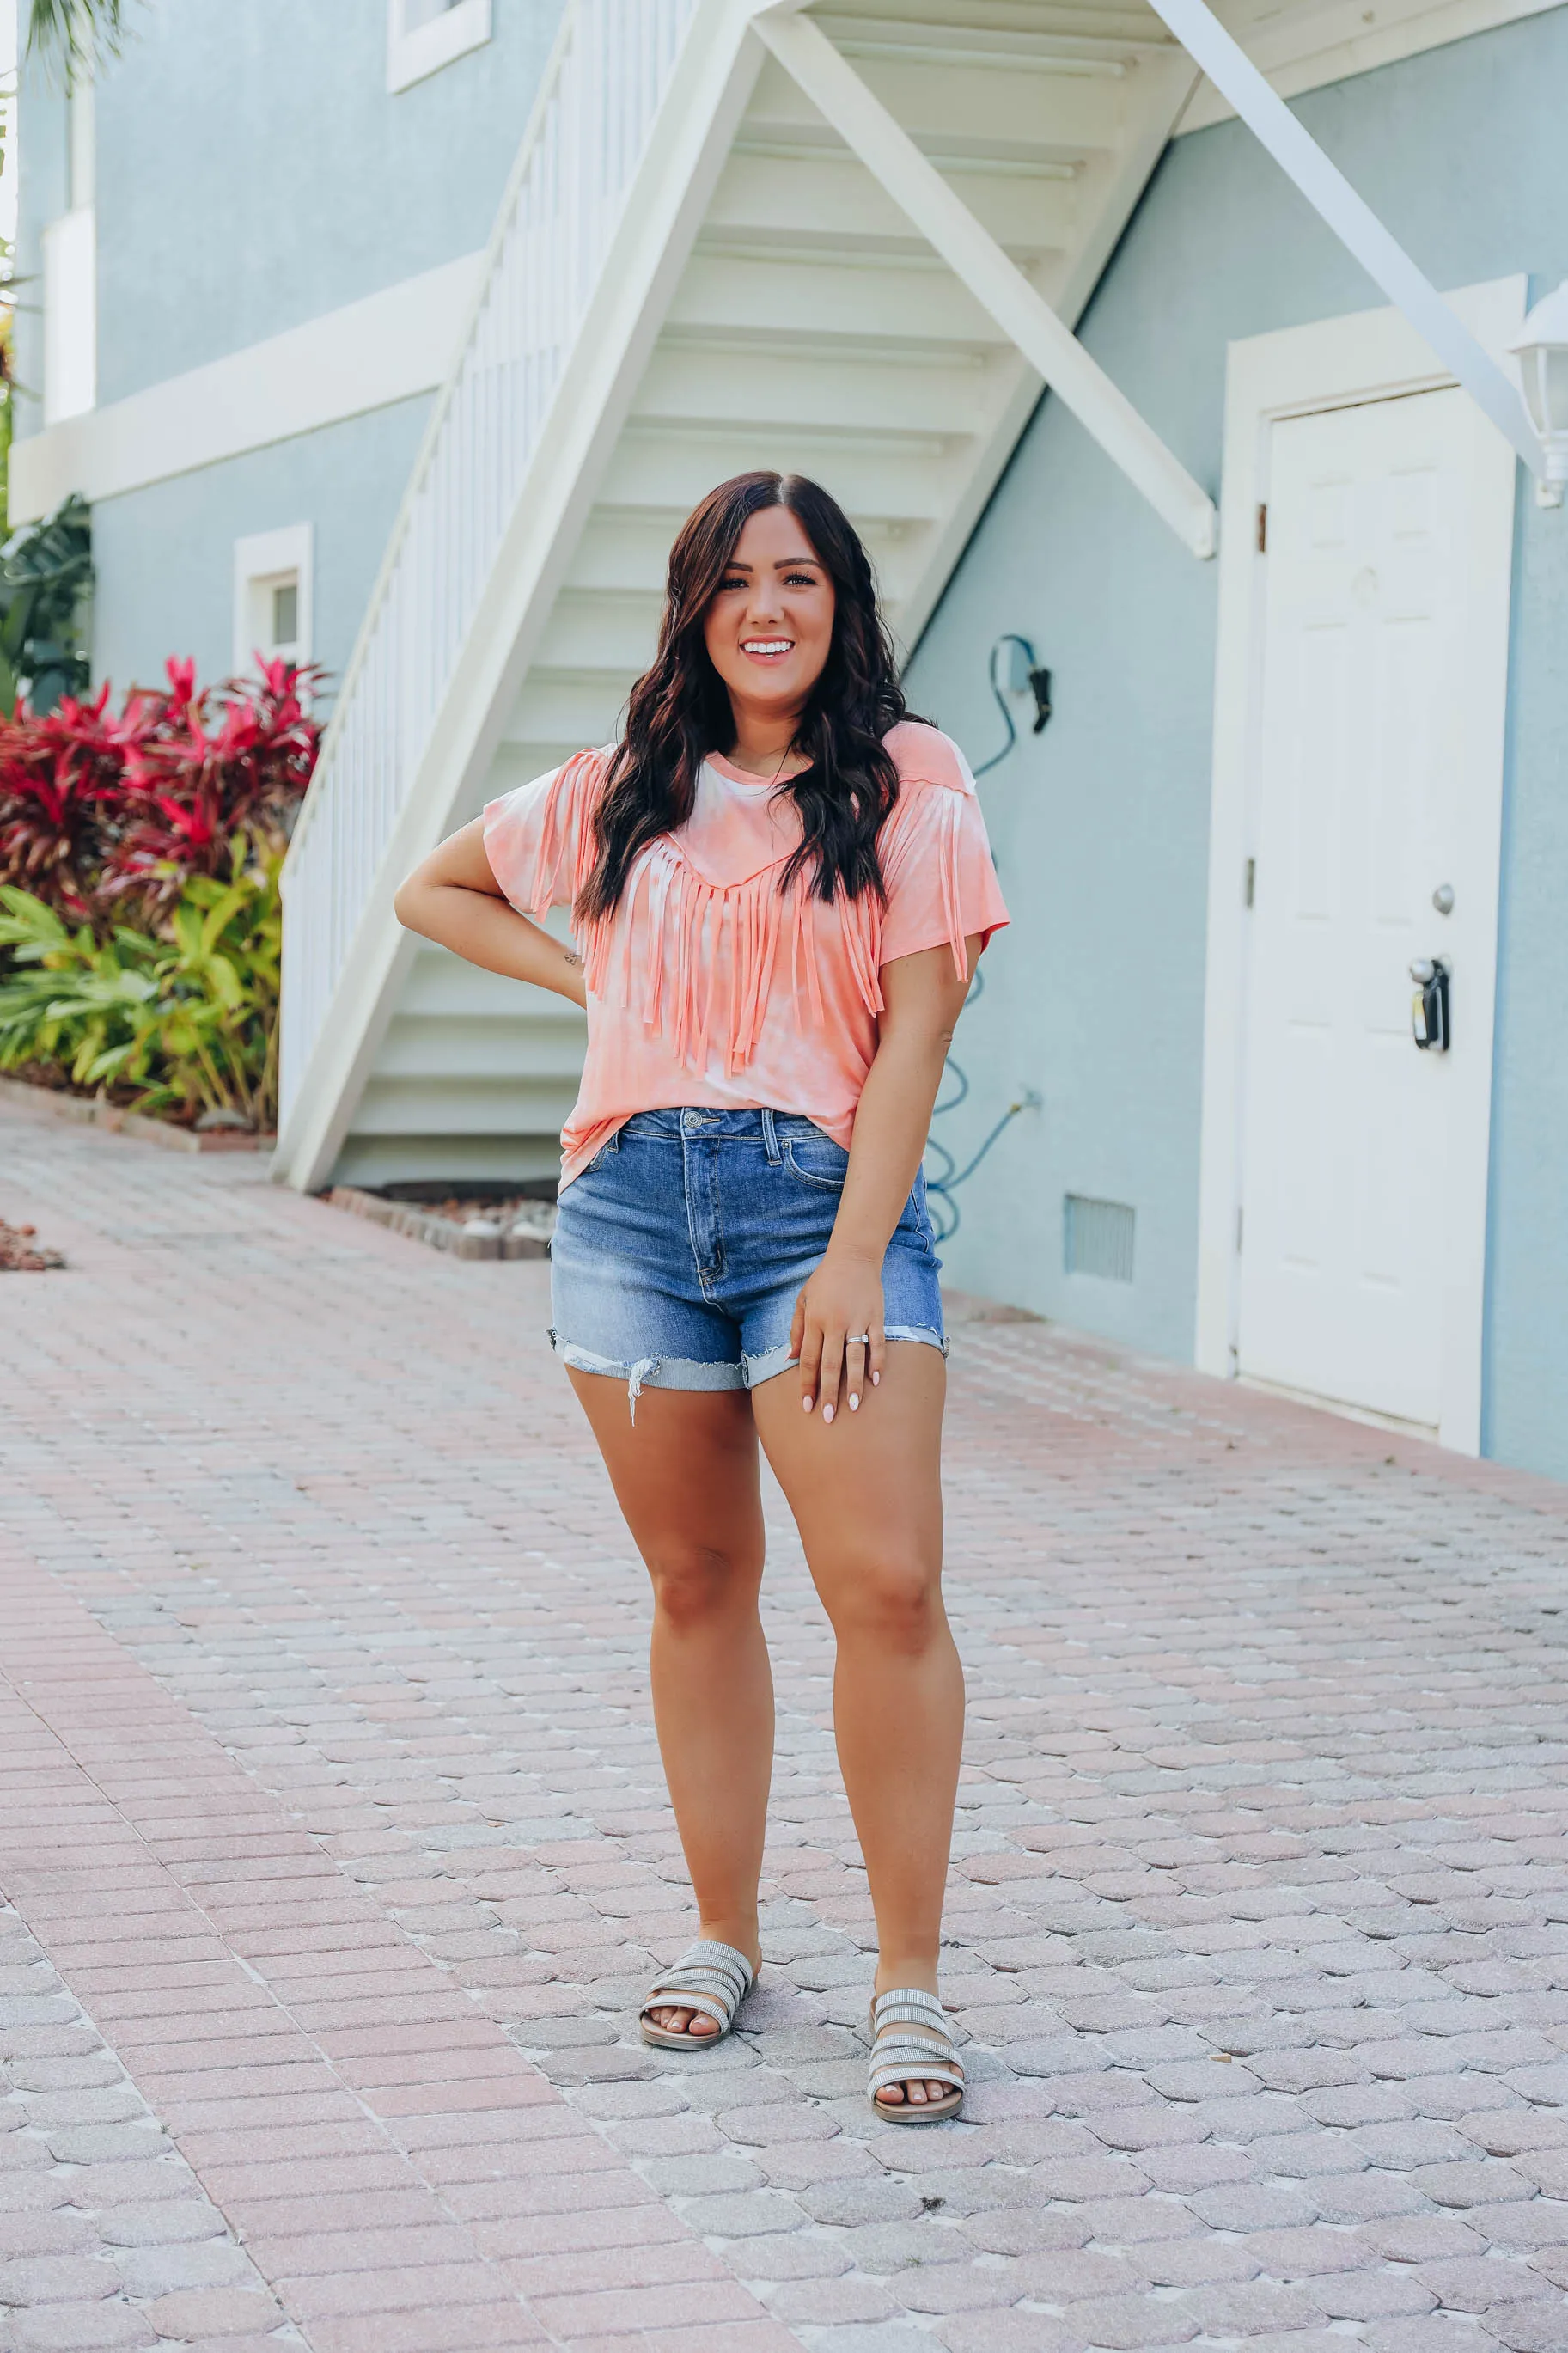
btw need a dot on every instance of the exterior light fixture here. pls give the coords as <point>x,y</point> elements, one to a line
<point>1541,349</point>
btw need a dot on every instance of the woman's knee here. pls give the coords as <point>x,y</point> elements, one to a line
<point>696,1585</point>
<point>893,1598</point>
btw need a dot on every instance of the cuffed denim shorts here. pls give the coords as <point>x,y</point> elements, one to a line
<point>680,1250</point>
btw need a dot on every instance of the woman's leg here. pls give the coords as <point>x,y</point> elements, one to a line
<point>866,1491</point>
<point>686,1477</point>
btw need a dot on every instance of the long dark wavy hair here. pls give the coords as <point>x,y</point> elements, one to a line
<point>679,710</point>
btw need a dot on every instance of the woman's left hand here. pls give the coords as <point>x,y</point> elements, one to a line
<point>837,1332</point>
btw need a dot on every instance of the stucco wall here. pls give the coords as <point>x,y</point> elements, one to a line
<point>253,170</point>
<point>1096,996</point>
<point>164,556</point>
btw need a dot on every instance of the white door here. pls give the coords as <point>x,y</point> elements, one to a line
<point>1359,1216</point>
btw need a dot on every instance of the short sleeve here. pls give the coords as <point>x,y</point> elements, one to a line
<point>936,864</point>
<point>540,838</point>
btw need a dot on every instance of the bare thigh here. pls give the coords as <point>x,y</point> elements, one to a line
<point>867,1485</point>
<point>685,1474</point>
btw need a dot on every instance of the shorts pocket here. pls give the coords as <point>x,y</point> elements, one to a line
<point>817,1159</point>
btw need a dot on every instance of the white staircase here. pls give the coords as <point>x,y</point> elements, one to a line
<point>692,276</point>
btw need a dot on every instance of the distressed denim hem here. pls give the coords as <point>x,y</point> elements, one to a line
<point>649,1372</point>
<point>758,1369</point>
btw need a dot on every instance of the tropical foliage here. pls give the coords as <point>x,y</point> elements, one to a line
<point>139,857</point>
<point>187,1017</point>
<point>107,814</point>
<point>46,573</point>
<point>71,36</point>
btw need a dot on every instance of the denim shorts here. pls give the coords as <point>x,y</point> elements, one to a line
<point>680,1250</point>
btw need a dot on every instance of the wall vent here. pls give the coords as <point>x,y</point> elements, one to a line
<point>1097,1238</point>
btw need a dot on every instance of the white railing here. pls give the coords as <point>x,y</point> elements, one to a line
<point>585,139</point>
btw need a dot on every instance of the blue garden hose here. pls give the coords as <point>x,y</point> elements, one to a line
<point>946,1215</point>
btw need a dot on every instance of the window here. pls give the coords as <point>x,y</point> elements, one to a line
<point>272,596</point>
<point>423,36</point>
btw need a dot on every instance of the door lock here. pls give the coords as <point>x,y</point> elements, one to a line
<point>1430,1017</point>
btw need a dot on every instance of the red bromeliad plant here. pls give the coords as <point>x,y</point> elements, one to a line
<point>61,778</point>
<point>104,813</point>
<point>201,769</point>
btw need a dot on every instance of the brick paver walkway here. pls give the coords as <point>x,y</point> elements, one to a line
<point>336,1848</point>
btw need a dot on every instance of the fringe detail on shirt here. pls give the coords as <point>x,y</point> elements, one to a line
<point>566,845</point>
<point>694,929</point>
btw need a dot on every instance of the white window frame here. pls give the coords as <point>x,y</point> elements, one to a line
<point>414,50</point>
<point>70,315</point>
<point>70,275</point>
<point>1296,371</point>
<point>264,560</point>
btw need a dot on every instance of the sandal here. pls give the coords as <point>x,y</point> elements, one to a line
<point>926,2055</point>
<point>712,1978</point>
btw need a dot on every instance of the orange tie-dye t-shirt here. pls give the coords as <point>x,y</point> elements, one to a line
<point>711,987</point>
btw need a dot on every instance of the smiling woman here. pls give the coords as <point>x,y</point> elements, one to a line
<point>781,884</point>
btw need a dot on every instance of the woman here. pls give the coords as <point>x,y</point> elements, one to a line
<point>779,886</point>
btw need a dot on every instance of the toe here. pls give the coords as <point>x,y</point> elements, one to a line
<point>891,2095</point>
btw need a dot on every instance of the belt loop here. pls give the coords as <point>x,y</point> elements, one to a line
<point>770,1136</point>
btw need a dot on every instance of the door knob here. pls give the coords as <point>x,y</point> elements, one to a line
<point>1443,898</point>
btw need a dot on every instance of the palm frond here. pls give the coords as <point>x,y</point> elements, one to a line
<point>69,37</point>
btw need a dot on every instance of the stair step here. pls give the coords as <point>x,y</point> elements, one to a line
<point>667,469</point>
<point>689,387</point>
<point>831,302</point>
<point>833,204</point>
<point>441,987</point>
<point>1054,109</point>
<point>462,1048</point>
<point>589,633</point>
<point>503,1102</point>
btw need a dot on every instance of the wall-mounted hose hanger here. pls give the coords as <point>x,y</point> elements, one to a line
<point>1017,671</point>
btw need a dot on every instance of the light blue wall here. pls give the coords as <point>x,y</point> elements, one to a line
<point>1096,996</point>
<point>253,170</point>
<point>164,556</point>
<point>252,173</point>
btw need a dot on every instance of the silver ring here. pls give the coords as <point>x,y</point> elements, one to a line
<point>857,1339</point>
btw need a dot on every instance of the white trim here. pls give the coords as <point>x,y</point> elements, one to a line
<point>915,185</point>
<point>1370,355</point>
<point>1353,221</point>
<point>71,323</point>
<point>262,559</point>
<point>417,50</point>
<point>385,348</point>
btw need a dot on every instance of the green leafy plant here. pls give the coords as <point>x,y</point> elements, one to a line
<point>185,1020</point>
<point>46,571</point>
<point>71,36</point>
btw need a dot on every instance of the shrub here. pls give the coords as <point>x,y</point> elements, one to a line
<point>140,851</point>
<point>105,813</point>
<point>188,1018</point>
<point>46,575</point>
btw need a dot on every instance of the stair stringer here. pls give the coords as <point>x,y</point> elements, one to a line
<point>1167,80</point>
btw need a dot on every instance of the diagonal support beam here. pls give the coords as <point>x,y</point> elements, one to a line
<point>1353,221</point>
<point>919,190</point>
